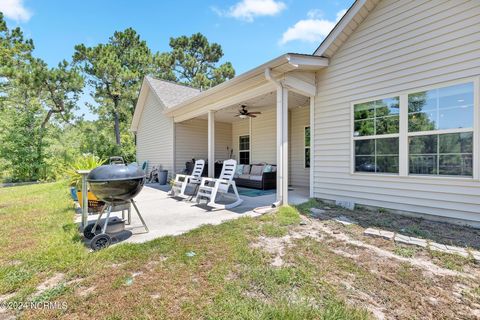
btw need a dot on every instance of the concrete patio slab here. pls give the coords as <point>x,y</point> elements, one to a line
<point>167,216</point>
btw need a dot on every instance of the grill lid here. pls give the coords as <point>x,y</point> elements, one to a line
<point>115,172</point>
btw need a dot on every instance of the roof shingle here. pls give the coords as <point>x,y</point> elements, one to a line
<point>171,93</point>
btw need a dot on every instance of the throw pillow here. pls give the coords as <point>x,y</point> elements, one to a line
<point>268,168</point>
<point>257,170</point>
<point>239,170</point>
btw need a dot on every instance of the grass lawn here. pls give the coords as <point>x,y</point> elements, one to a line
<point>266,268</point>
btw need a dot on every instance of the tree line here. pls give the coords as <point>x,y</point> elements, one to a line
<point>40,129</point>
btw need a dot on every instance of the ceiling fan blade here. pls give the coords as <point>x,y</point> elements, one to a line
<point>237,115</point>
<point>251,115</point>
<point>256,112</point>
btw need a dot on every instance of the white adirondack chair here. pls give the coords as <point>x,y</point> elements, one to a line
<point>183,180</point>
<point>210,187</point>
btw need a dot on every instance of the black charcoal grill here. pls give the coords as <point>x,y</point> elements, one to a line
<point>116,184</point>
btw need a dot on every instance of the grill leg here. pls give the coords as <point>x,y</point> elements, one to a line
<point>106,219</point>
<point>139,215</point>
<point>100,217</point>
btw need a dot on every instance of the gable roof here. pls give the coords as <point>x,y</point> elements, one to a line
<point>168,93</point>
<point>171,93</point>
<point>345,27</point>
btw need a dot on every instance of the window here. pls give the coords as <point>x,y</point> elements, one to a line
<point>376,136</point>
<point>244,149</point>
<point>440,131</point>
<point>306,143</point>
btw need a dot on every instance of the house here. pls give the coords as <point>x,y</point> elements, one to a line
<point>384,113</point>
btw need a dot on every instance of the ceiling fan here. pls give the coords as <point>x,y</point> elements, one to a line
<point>243,113</point>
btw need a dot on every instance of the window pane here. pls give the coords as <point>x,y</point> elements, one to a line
<point>422,121</point>
<point>365,163</point>
<point>423,164</point>
<point>387,146</point>
<point>388,164</point>
<point>387,125</point>
<point>444,108</point>
<point>456,142</point>
<point>458,117</point>
<point>456,165</point>
<point>364,110</point>
<point>377,155</point>
<point>365,147</point>
<point>307,137</point>
<point>456,96</point>
<point>422,145</point>
<point>442,154</point>
<point>364,128</point>
<point>387,107</point>
<point>307,157</point>
<point>422,101</point>
<point>244,143</point>
<point>244,157</point>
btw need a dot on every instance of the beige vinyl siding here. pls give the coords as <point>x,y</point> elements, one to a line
<point>263,136</point>
<point>239,128</point>
<point>155,136</point>
<point>192,141</point>
<point>299,119</point>
<point>264,133</point>
<point>401,46</point>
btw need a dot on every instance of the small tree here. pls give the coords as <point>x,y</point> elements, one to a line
<point>114,71</point>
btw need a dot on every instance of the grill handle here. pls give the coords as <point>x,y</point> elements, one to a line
<point>117,160</point>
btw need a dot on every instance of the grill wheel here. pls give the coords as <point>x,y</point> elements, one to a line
<point>88,231</point>
<point>100,241</point>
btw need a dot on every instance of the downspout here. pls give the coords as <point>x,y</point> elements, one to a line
<point>280,87</point>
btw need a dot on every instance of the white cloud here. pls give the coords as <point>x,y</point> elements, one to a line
<point>15,10</point>
<point>315,14</point>
<point>247,10</point>
<point>312,29</point>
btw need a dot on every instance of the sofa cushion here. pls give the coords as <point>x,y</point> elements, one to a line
<point>244,176</point>
<point>238,170</point>
<point>274,168</point>
<point>257,170</point>
<point>256,178</point>
<point>246,169</point>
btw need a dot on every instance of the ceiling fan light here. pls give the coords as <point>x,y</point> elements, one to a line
<point>243,116</point>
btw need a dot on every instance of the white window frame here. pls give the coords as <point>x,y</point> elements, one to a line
<point>249,147</point>
<point>372,137</point>
<point>307,147</point>
<point>404,134</point>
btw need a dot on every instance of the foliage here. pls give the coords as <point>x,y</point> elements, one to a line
<point>33,97</point>
<point>40,129</point>
<point>194,61</point>
<point>85,162</point>
<point>115,71</point>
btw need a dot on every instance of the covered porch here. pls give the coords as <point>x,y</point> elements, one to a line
<point>280,95</point>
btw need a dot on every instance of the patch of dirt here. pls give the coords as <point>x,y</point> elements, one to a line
<point>85,291</point>
<point>50,283</point>
<point>388,285</point>
<point>276,245</point>
<point>441,232</point>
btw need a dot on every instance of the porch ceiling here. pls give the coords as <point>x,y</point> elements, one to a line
<point>259,103</point>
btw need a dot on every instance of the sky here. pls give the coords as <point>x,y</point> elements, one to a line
<point>250,32</point>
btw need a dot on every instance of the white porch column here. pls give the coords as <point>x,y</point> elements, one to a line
<point>282,144</point>
<point>211,143</point>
